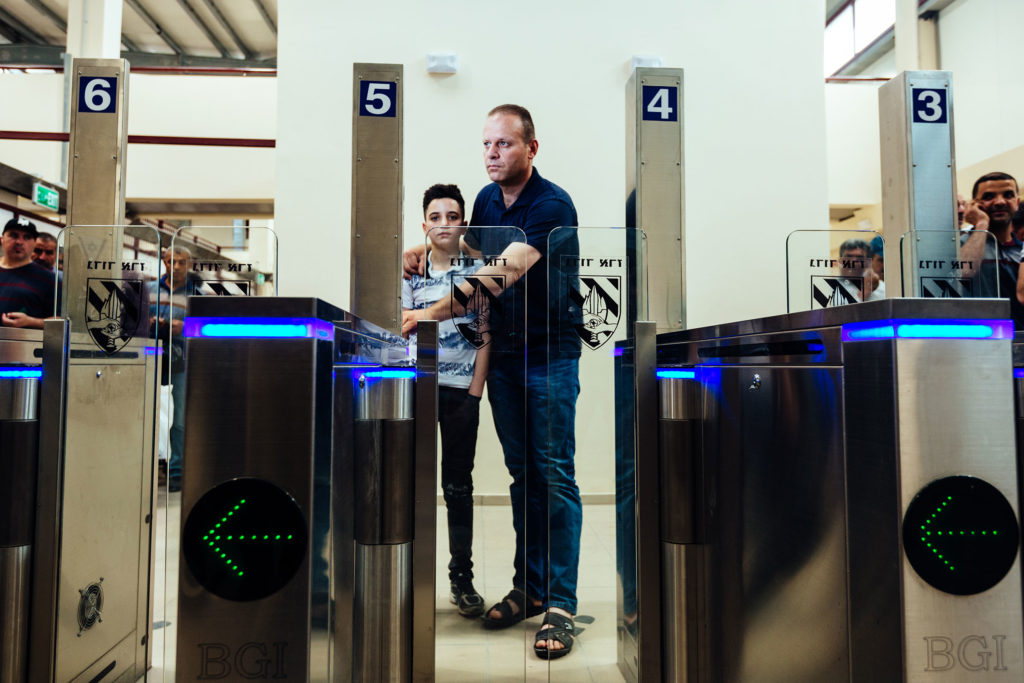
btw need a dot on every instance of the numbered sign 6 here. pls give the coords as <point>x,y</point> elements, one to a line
<point>377,98</point>
<point>929,105</point>
<point>97,95</point>
<point>659,103</point>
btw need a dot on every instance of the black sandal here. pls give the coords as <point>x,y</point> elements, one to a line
<point>561,629</point>
<point>509,618</point>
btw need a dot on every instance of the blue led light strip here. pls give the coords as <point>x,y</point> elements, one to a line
<point>15,372</point>
<point>1018,373</point>
<point>676,374</point>
<point>258,328</point>
<point>928,329</point>
<point>388,374</point>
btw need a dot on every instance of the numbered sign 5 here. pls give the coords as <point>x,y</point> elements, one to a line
<point>929,105</point>
<point>377,98</point>
<point>97,95</point>
<point>659,103</point>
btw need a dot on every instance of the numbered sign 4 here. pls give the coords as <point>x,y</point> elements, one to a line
<point>97,94</point>
<point>929,105</point>
<point>659,103</point>
<point>377,98</point>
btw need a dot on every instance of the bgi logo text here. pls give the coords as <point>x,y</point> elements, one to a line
<point>972,653</point>
<point>250,661</point>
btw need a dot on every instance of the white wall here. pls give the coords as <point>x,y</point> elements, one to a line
<point>754,145</point>
<point>186,106</point>
<point>754,118</point>
<point>851,116</point>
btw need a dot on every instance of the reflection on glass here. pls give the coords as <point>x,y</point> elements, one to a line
<point>828,268</point>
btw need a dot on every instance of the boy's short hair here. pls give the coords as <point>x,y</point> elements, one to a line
<point>441,191</point>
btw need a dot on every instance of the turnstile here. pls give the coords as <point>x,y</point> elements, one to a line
<point>19,449</point>
<point>839,497</point>
<point>300,545</point>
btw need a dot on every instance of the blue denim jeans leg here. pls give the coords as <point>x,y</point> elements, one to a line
<point>534,413</point>
<point>177,432</point>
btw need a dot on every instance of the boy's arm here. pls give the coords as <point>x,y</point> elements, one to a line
<point>476,386</point>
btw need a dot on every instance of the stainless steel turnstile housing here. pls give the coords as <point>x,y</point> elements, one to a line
<point>822,475</point>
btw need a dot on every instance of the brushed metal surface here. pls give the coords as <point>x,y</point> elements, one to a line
<point>248,403</point>
<point>683,592</point>
<point>986,309</point>
<point>50,482</point>
<point>952,412</point>
<point>342,528</point>
<point>385,398</point>
<point>654,178</point>
<point>678,399</point>
<point>376,273</point>
<point>681,478</point>
<point>383,471</point>
<point>96,180</point>
<point>15,576</point>
<point>382,628</point>
<point>424,546</point>
<point>776,555</point>
<point>647,513</point>
<point>20,347</point>
<point>19,398</point>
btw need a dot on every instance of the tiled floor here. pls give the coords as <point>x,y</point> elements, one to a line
<point>465,651</point>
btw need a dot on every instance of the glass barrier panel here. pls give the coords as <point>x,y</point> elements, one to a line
<point>950,264</point>
<point>596,282</point>
<point>198,261</point>
<point>476,282</point>
<point>826,268</point>
<point>111,440</point>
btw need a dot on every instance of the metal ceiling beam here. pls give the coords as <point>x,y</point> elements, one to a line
<point>229,28</point>
<point>266,16</point>
<point>27,34</point>
<point>57,20</point>
<point>152,23</point>
<point>10,34</point>
<point>198,21</point>
<point>126,41</point>
<point>52,56</point>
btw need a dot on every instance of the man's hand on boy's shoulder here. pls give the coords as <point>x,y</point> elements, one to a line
<point>413,261</point>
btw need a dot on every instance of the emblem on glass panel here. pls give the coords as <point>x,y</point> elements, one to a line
<point>598,298</point>
<point>829,290</point>
<point>112,312</point>
<point>945,287</point>
<point>481,305</point>
<point>225,288</point>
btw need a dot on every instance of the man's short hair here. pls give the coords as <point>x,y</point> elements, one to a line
<point>855,243</point>
<point>524,117</point>
<point>46,237</point>
<point>23,224</point>
<point>441,191</point>
<point>995,175</point>
<point>179,249</point>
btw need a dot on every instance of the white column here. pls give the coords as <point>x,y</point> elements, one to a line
<point>94,28</point>
<point>907,58</point>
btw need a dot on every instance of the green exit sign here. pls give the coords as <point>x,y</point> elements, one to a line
<point>46,196</point>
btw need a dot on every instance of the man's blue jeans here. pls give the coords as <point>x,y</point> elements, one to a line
<point>177,431</point>
<point>536,426</point>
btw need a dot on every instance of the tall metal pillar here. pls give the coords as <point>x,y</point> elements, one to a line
<point>654,191</point>
<point>376,293</point>
<point>918,173</point>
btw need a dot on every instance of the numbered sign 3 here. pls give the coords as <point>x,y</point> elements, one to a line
<point>377,98</point>
<point>929,105</point>
<point>659,103</point>
<point>97,95</point>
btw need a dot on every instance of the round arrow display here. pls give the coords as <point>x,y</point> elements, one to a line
<point>244,539</point>
<point>960,535</point>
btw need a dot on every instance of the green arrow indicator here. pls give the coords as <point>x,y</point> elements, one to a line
<point>932,533</point>
<point>214,541</point>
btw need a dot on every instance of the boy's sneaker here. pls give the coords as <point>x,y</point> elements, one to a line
<point>466,599</point>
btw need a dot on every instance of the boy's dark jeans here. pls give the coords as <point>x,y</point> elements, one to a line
<point>459,417</point>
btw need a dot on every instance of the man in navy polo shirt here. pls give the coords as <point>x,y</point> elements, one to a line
<point>27,289</point>
<point>534,417</point>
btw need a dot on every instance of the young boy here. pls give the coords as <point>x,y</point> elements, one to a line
<point>462,369</point>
